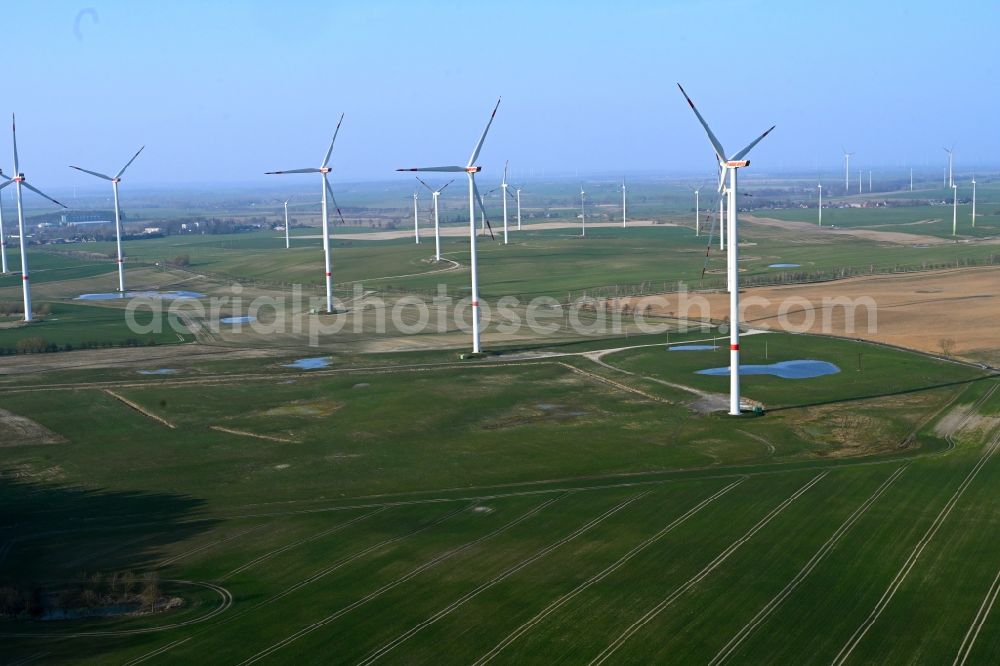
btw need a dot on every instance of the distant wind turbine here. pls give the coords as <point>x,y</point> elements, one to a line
<point>20,182</point>
<point>324,169</point>
<point>583,212</point>
<point>731,165</point>
<point>951,157</point>
<point>437,225</point>
<point>503,185</point>
<point>973,201</point>
<point>416,220</point>
<point>954,209</point>
<point>117,178</point>
<point>623,203</point>
<point>847,170</point>
<point>4,182</point>
<point>470,169</point>
<point>820,207</point>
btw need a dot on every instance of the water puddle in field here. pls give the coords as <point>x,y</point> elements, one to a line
<point>692,348</point>
<point>158,371</point>
<point>166,295</point>
<point>245,319</point>
<point>784,265</point>
<point>309,363</point>
<point>801,369</point>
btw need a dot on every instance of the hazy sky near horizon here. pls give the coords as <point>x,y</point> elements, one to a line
<point>223,91</point>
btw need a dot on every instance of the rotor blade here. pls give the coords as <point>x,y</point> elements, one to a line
<point>479,146</point>
<point>446,185</point>
<point>92,173</point>
<point>425,184</point>
<point>435,168</point>
<point>719,151</point>
<point>129,163</point>
<point>272,173</point>
<point>333,200</point>
<point>482,208</point>
<point>329,151</point>
<point>42,194</point>
<point>13,132</point>
<point>511,194</point>
<point>722,179</point>
<point>505,165</point>
<point>743,153</point>
<point>6,183</point>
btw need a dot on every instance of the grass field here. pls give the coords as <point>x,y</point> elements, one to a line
<point>561,499</point>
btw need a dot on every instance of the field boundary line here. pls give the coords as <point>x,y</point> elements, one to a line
<point>911,560</point>
<point>304,540</point>
<point>244,433</point>
<point>406,635</point>
<point>344,561</point>
<point>969,641</point>
<point>608,382</point>
<point>701,575</point>
<point>596,578</point>
<point>157,651</point>
<point>186,553</point>
<point>139,408</point>
<point>399,581</point>
<point>730,647</point>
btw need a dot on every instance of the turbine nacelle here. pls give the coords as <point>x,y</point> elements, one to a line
<point>473,169</point>
<point>325,169</point>
<point>737,164</point>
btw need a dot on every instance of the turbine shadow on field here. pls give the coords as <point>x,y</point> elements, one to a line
<point>53,537</point>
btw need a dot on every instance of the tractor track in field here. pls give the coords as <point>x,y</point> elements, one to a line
<point>607,571</point>
<point>652,613</point>
<point>729,648</point>
<point>399,581</point>
<point>969,641</point>
<point>914,556</point>
<point>507,573</point>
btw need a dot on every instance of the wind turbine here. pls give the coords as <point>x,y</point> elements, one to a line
<point>583,213</point>
<point>911,179</point>
<point>697,214</point>
<point>623,203</point>
<point>20,182</point>
<point>869,180</point>
<point>471,170</point>
<point>820,207</point>
<point>482,213</point>
<point>973,201</point>
<point>503,196</point>
<point>117,178</point>
<point>847,170</point>
<point>731,165</point>
<point>860,175</point>
<point>517,191</point>
<point>416,220</point>
<point>4,182</point>
<point>954,209</point>
<point>323,170</point>
<point>951,157</point>
<point>437,227</point>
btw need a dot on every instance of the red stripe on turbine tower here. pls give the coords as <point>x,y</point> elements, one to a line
<point>734,347</point>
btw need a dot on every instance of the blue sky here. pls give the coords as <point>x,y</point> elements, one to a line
<point>223,91</point>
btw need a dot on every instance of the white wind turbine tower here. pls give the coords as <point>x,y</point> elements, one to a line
<point>951,157</point>
<point>847,170</point>
<point>4,182</point>
<point>437,225</point>
<point>623,203</point>
<point>19,182</point>
<point>697,214</point>
<point>471,170</point>
<point>416,220</point>
<point>954,209</point>
<point>583,213</point>
<point>731,165</point>
<point>323,170</point>
<point>503,196</point>
<point>117,178</point>
<point>517,192</point>
<point>973,201</point>
<point>820,207</point>
<point>911,179</point>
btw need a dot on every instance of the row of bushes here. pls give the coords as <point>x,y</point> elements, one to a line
<point>11,308</point>
<point>87,592</point>
<point>36,344</point>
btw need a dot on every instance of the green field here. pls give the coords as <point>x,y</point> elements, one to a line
<point>564,498</point>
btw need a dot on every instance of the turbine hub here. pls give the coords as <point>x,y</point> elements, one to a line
<point>19,178</point>
<point>473,169</point>
<point>325,169</point>
<point>736,164</point>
